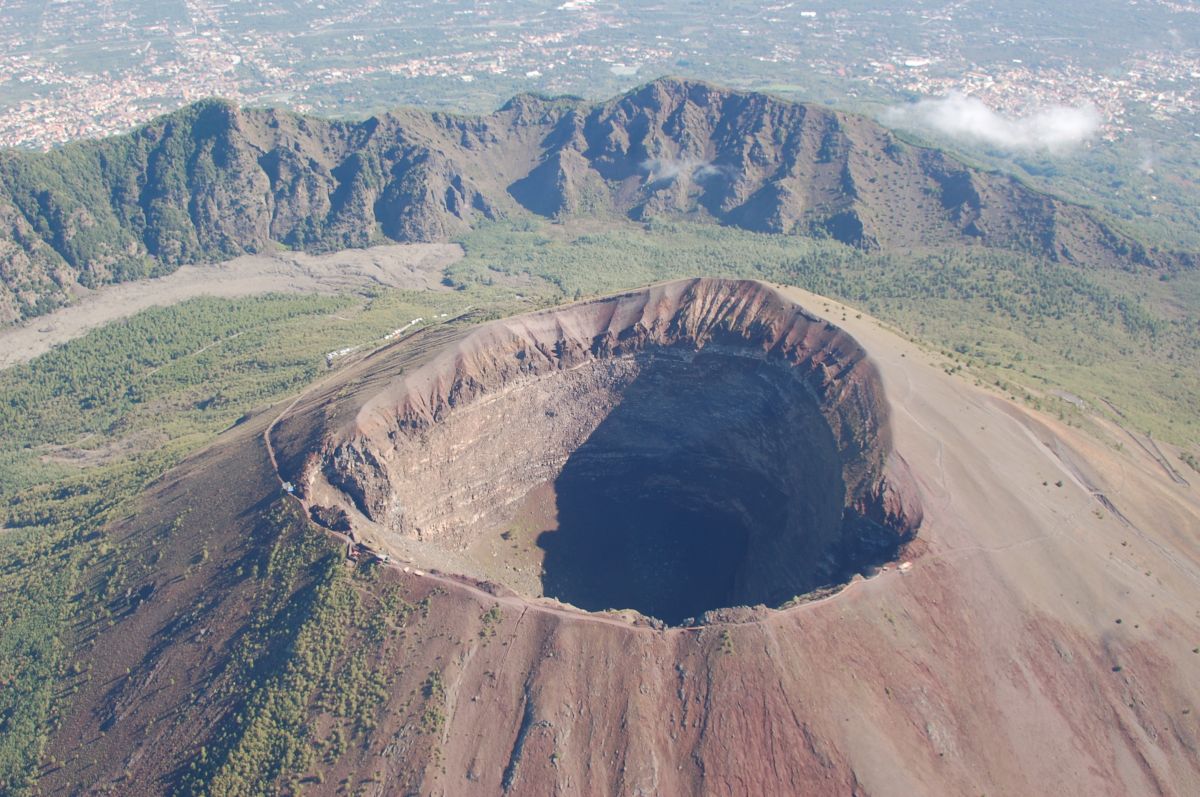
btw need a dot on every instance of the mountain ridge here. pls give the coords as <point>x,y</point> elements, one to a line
<point>213,181</point>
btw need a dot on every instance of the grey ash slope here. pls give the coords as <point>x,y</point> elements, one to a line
<point>212,181</point>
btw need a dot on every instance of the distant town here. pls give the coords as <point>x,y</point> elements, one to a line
<point>71,70</point>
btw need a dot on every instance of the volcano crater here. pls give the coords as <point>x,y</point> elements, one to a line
<point>679,450</point>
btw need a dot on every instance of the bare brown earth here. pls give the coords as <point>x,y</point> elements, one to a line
<point>1038,638</point>
<point>409,266</point>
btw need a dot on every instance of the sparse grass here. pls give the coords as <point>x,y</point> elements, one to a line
<point>488,621</point>
<point>433,718</point>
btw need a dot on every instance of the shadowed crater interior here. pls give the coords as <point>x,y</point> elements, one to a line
<point>676,503</point>
<point>694,446</point>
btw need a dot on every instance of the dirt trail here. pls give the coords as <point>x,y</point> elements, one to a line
<point>1147,444</point>
<point>407,266</point>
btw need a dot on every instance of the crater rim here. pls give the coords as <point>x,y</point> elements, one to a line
<point>699,318</point>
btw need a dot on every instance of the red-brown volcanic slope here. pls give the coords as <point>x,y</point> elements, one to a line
<point>989,667</point>
<point>993,664</point>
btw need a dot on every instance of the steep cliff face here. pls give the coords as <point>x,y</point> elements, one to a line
<point>212,181</point>
<point>760,163</point>
<point>707,443</point>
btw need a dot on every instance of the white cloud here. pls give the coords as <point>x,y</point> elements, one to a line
<point>663,170</point>
<point>1149,158</point>
<point>708,170</point>
<point>1054,128</point>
